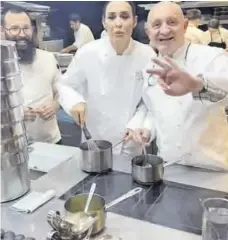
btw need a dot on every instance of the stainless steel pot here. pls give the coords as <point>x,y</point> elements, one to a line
<point>97,161</point>
<point>8,50</point>
<point>97,208</point>
<point>11,84</point>
<point>14,181</point>
<point>18,142</point>
<point>12,130</point>
<point>11,67</point>
<point>15,158</point>
<point>9,101</point>
<point>12,115</point>
<point>150,173</point>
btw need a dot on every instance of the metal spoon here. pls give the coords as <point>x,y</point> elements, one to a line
<point>91,192</point>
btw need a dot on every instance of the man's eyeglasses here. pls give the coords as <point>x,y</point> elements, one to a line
<point>15,31</point>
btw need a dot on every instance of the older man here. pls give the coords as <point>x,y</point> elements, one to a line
<point>186,88</point>
<point>39,75</point>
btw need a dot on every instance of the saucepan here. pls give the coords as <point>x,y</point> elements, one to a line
<point>11,84</point>
<point>96,161</point>
<point>75,206</point>
<point>149,169</point>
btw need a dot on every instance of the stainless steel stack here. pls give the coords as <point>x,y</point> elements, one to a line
<point>14,146</point>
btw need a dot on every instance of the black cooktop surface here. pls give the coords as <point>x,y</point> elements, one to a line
<point>167,203</point>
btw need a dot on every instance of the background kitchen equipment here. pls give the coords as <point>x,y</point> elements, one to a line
<point>215,219</point>
<point>14,152</point>
<point>62,229</point>
<point>150,173</point>
<point>63,59</point>
<point>76,204</point>
<point>97,161</point>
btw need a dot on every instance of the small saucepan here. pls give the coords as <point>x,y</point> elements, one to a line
<point>75,206</point>
<point>150,173</point>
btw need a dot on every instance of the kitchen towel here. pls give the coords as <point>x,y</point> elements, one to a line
<point>32,201</point>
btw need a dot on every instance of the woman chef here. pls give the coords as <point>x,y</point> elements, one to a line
<point>103,84</point>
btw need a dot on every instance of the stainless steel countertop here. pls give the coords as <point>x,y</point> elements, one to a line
<point>68,173</point>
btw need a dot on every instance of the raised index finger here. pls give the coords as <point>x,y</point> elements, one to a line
<point>162,64</point>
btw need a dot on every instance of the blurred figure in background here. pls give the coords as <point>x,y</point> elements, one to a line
<point>82,34</point>
<point>216,36</point>
<point>193,34</point>
<point>38,78</point>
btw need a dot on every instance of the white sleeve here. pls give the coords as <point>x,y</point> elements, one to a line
<point>71,84</point>
<point>84,36</point>
<point>138,118</point>
<point>215,81</point>
<point>149,123</point>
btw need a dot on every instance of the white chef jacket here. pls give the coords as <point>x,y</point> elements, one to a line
<point>177,122</point>
<point>39,80</point>
<point>82,36</point>
<point>195,35</point>
<point>111,85</point>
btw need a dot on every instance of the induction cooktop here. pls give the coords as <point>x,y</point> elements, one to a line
<point>167,203</point>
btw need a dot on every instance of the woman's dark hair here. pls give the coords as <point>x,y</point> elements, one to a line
<point>132,5</point>
<point>74,17</point>
<point>214,23</point>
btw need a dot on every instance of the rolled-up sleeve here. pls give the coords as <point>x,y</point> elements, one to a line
<point>83,36</point>
<point>215,80</point>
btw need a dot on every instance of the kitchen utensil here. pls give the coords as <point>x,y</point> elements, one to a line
<point>118,143</point>
<point>18,142</point>
<point>92,146</point>
<point>98,207</point>
<point>12,130</point>
<point>64,59</point>
<point>9,101</point>
<point>63,229</point>
<point>14,181</point>
<point>150,173</point>
<point>11,84</point>
<point>14,163</point>
<point>11,67</point>
<point>145,162</point>
<point>12,115</point>
<point>97,161</point>
<point>14,158</point>
<point>215,219</point>
<point>91,192</point>
<point>8,50</point>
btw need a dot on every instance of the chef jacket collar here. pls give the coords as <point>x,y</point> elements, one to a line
<point>181,52</point>
<point>110,51</point>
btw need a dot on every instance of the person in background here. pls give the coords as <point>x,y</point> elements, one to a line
<point>82,34</point>
<point>193,34</point>
<point>185,91</point>
<point>39,76</point>
<point>103,84</point>
<point>215,35</point>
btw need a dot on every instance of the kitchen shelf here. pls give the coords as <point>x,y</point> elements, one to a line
<point>198,4</point>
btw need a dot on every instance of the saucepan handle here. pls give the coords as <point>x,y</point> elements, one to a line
<point>123,197</point>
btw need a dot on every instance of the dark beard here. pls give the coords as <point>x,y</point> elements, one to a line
<point>26,49</point>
